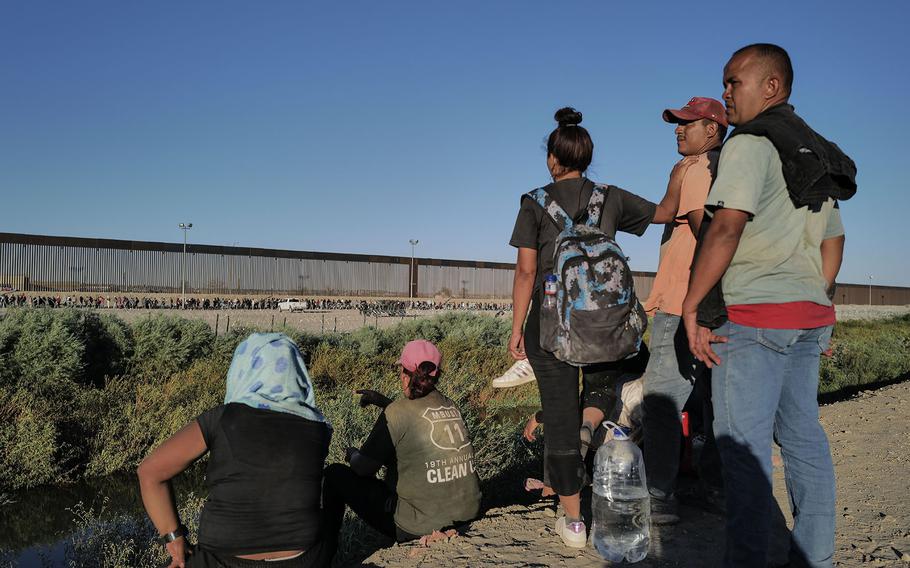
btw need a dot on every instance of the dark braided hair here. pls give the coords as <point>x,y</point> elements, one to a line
<point>421,383</point>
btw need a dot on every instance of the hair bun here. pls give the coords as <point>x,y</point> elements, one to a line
<point>567,116</point>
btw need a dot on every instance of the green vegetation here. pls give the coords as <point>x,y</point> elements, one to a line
<point>866,354</point>
<point>85,395</point>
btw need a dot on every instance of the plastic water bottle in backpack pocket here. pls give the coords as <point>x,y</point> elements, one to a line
<point>549,312</point>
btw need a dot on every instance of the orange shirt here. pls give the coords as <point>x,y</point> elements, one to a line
<point>678,245</point>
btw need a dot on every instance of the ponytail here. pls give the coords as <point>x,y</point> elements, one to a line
<point>421,383</point>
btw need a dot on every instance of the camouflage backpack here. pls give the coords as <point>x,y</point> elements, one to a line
<point>597,317</point>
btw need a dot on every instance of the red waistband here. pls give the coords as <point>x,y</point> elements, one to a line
<point>788,315</point>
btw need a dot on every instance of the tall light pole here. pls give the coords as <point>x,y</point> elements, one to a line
<point>870,289</point>
<point>184,227</point>
<point>411,275</point>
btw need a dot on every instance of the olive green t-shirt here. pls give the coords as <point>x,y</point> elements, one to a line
<point>437,484</point>
<point>778,259</point>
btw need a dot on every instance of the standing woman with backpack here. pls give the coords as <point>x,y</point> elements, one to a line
<point>536,236</point>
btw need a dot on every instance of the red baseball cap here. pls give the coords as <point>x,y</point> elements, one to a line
<point>696,108</point>
<point>416,352</point>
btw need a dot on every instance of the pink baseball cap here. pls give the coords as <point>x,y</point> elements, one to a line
<point>416,352</point>
<point>696,108</point>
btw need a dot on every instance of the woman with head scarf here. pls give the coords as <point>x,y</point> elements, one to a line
<point>267,445</point>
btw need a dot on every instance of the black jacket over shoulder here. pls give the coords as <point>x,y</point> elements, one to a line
<point>814,170</point>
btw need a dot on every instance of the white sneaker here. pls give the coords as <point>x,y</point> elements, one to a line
<point>518,374</point>
<point>573,535</point>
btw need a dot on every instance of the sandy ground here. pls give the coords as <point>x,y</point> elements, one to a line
<point>870,443</point>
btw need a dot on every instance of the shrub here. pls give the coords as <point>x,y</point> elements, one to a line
<point>54,351</point>
<point>45,353</point>
<point>866,354</point>
<point>138,415</point>
<point>108,347</point>
<point>110,540</point>
<point>165,345</point>
<point>28,442</point>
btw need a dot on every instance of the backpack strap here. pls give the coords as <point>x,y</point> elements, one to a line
<point>596,204</point>
<point>556,213</point>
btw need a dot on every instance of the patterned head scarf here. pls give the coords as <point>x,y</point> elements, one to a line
<point>268,372</point>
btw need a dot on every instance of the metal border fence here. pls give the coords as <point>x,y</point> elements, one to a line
<point>37,263</point>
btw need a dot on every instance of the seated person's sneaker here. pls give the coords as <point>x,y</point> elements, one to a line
<point>664,511</point>
<point>518,374</point>
<point>573,534</point>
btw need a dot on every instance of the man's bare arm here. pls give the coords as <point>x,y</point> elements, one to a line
<point>694,218</point>
<point>832,256</point>
<point>717,251</point>
<point>669,205</point>
<point>522,288</point>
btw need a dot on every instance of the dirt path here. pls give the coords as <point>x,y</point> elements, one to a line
<point>870,441</point>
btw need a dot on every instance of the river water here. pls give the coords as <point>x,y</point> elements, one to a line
<point>36,524</point>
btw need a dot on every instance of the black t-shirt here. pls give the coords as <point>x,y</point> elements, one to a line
<point>265,480</point>
<point>623,211</point>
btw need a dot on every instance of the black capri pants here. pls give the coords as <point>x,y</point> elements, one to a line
<point>557,382</point>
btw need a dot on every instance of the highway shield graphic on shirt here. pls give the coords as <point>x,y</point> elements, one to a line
<point>447,430</point>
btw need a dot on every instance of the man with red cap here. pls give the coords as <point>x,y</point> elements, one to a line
<point>672,370</point>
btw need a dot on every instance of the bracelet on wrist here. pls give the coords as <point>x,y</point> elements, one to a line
<point>179,532</point>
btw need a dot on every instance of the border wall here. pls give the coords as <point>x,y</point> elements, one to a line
<point>36,263</point>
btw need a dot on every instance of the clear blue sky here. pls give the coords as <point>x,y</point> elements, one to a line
<point>354,126</point>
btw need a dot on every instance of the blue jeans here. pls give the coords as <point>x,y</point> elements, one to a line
<point>765,390</point>
<point>668,383</point>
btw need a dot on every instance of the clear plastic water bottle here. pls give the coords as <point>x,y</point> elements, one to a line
<point>622,506</point>
<point>550,286</point>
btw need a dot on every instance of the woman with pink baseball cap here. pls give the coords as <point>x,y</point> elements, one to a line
<point>422,440</point>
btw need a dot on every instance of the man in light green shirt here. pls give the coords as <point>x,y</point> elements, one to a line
<point>778,259</point>
<point>776,256</point>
